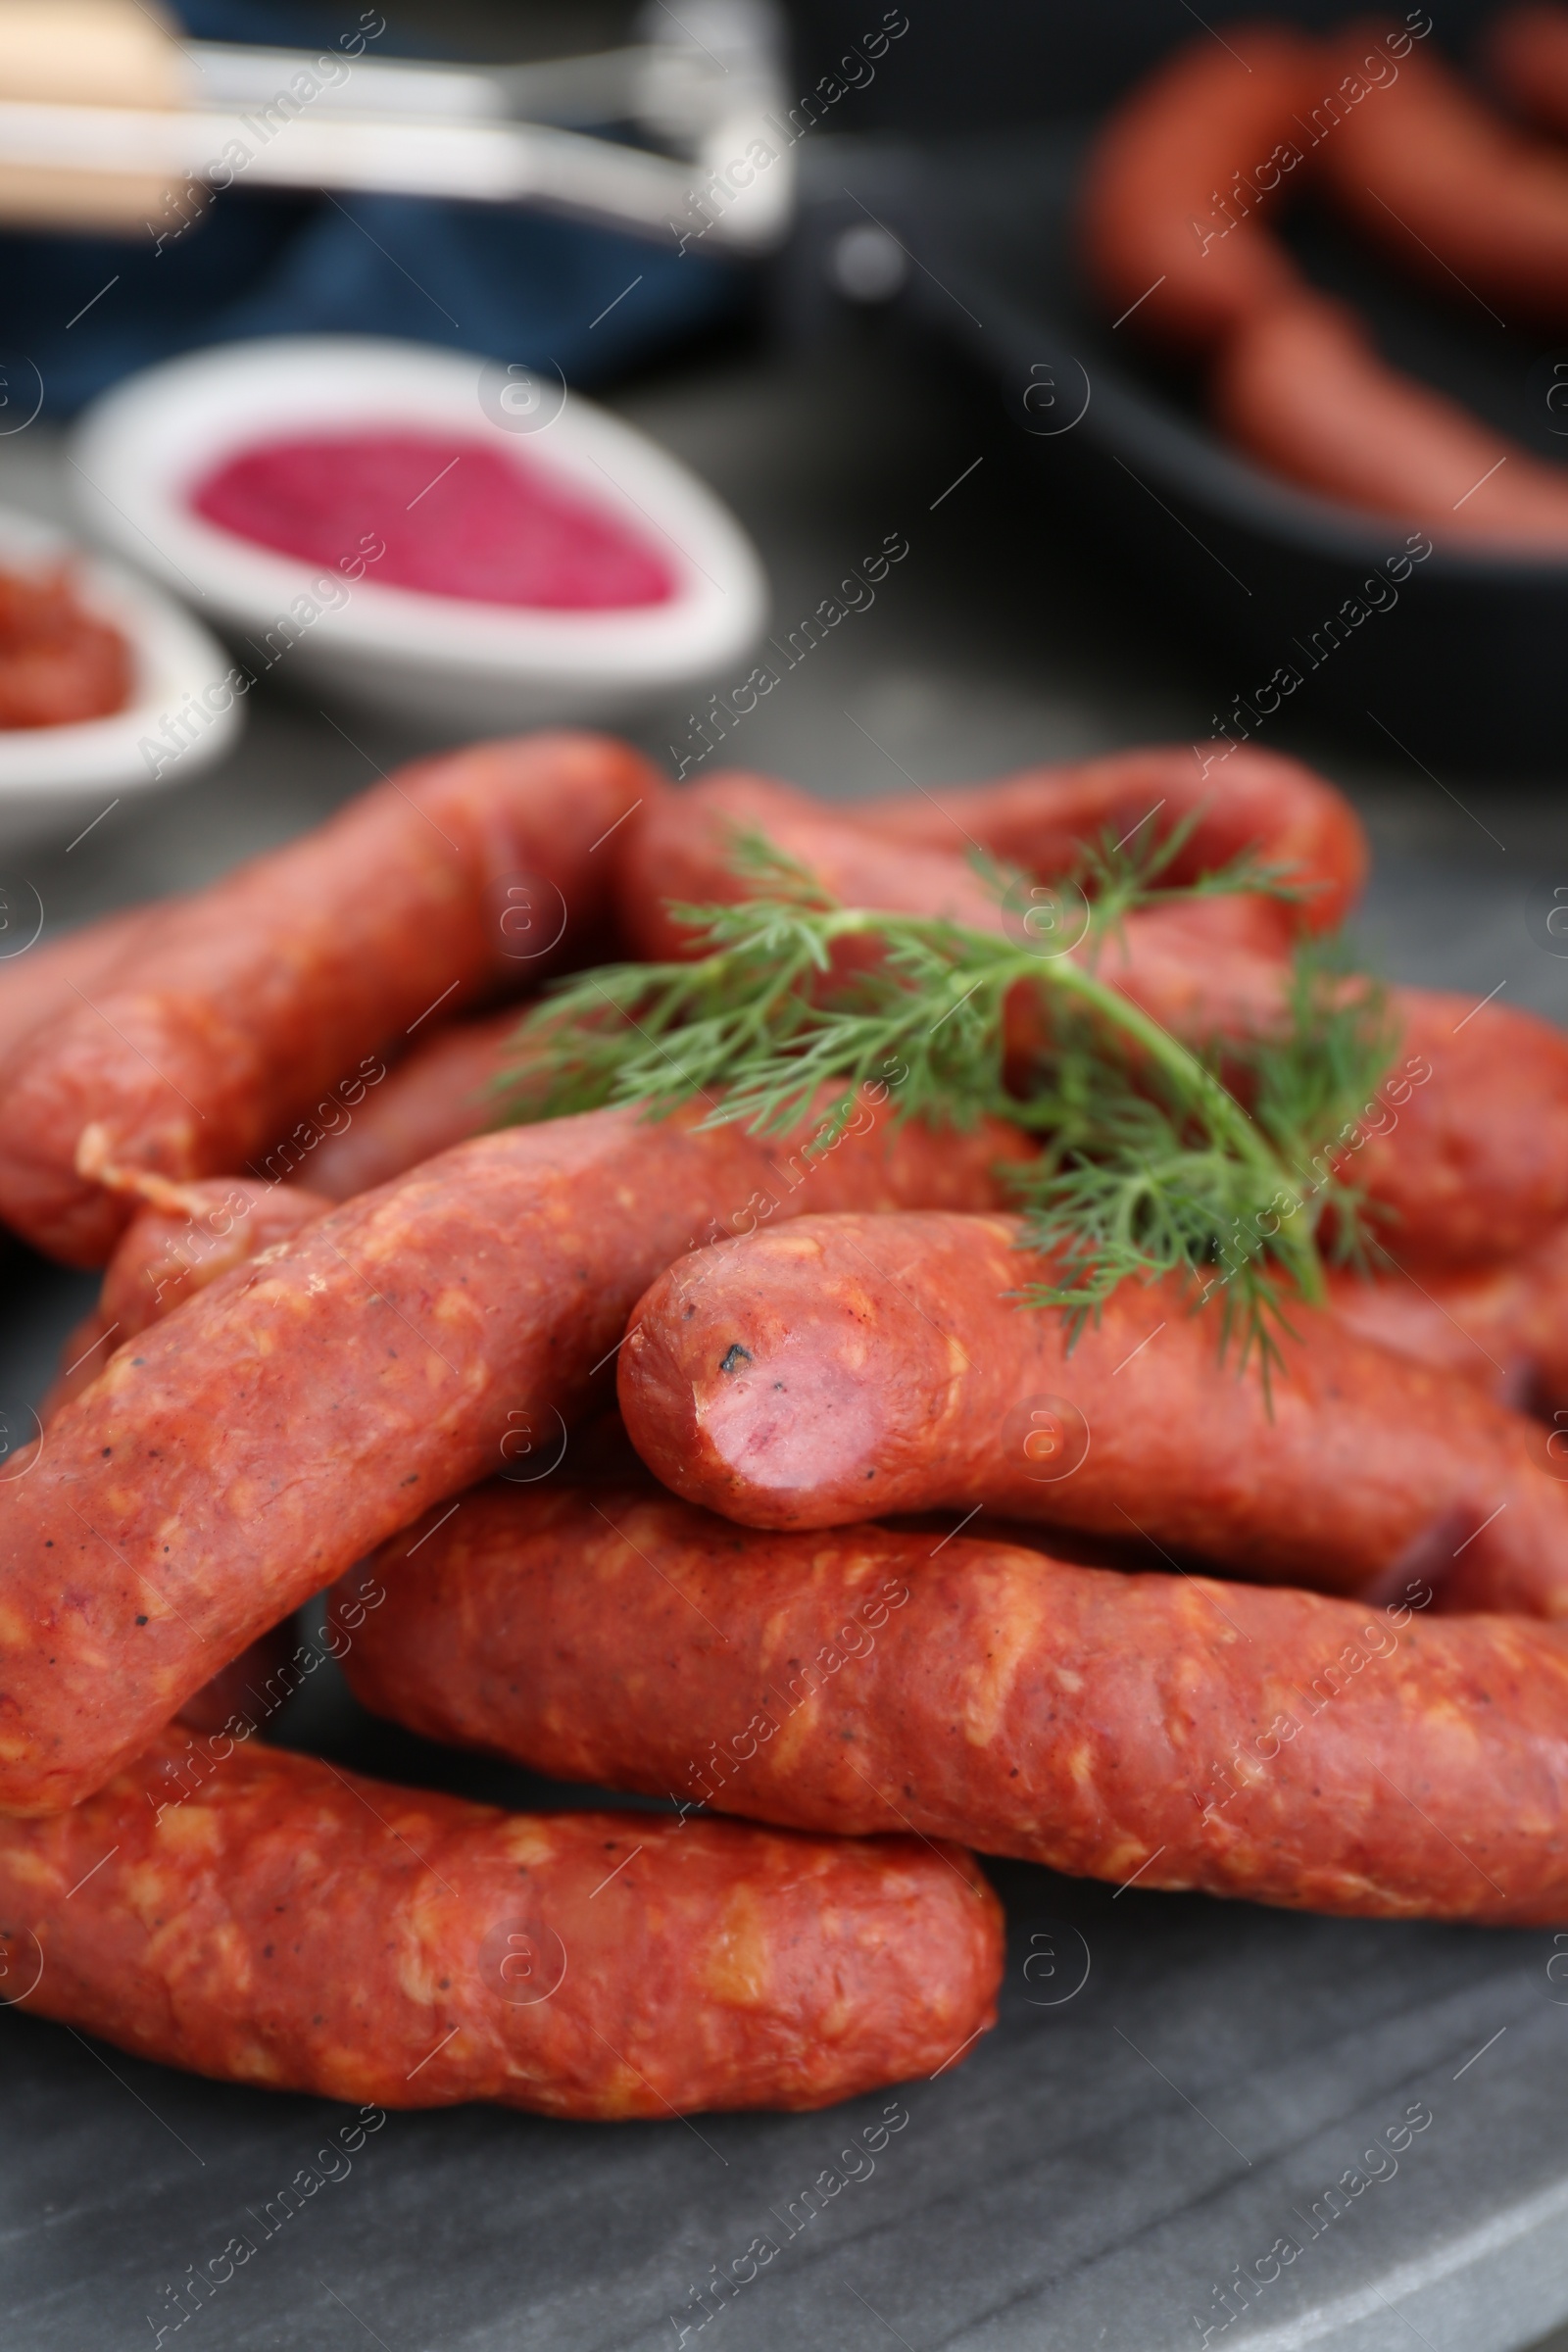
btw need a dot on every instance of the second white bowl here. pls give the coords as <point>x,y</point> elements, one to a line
<point>181,717</point>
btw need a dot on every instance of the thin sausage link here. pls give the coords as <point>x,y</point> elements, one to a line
<point>1237,800</point>
<point>39,981</point>
<point>1465,1142</point>
<point>259,1917</point>
<point>241,1453</point>
<point>254,1002</point>
<point>1301,388</point>
<point>1251,1740</point>
<point>1168,215</point>
<point>440,1096</point>
<point>1503,1327</point>
<point>853,1364</point>
<point>1451,191</point>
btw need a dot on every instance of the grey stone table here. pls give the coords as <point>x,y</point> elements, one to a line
<point>1177,2085</point>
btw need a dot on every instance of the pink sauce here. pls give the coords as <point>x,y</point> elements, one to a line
<point>457,518</point>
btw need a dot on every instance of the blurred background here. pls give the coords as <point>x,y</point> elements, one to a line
<point>877,373</point>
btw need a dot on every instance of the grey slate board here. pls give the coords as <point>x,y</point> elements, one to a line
<point>1088,2175</point>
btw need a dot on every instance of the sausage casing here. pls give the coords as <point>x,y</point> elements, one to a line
<point>256,997</point>
<point>1251,1740</point>
<point>1303,388</point>
<point>273,1920</point>
<point>1503,1327</point>
<point>850,1364</point>
<point>1169,220</point>
<point>1453,192</point>
<point>167,1255</point>
<point>439,1096</point>
<point>251,1445</point>
<point>163,1257</point>
<point>1244,802</point>
<point>1526,52</point>
<point>37,983</point>
<point>1464,1143</point>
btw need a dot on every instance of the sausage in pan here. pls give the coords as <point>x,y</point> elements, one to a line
<point>1174,182</point>
<point>1301,386</point>
<point>1453,192</point>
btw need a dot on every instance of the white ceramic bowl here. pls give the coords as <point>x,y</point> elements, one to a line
<point>55,779</point>
<point>468,668</point>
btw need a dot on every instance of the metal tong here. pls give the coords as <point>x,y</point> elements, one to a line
<point>109,119</point>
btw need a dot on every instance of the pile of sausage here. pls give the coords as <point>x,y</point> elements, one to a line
<point>1193,170</point>
<point>674,1461</point>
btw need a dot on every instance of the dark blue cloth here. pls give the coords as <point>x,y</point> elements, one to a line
<point>515,284</point>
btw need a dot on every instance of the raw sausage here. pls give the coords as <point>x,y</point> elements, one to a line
<point>1466,1142</point>
<point>1505,1327</point>
<point>1526,53</point>
<point>198,1233</point>
<point>682,851</point>
<point>167,1253</point>
<point>164,1256</point>
<point>1453,192</point>
<point>270,989</point>
<point>1172,185</point>
<point>263,1437</point>
<point>1244,802</point>
<point>287,1925</point>
<point>913,855</point>
<point>440,1096</point>
<point>37,983</point>
<point>1302,389</point>
<point>1254,1741</point>
<point>851,1364</point>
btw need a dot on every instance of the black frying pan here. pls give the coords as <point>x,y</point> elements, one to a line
<point>1463,664</point>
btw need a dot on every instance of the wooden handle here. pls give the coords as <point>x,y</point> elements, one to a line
<point>89,53</point>
<point>86,53</point>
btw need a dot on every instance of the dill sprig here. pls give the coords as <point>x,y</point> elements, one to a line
<point>1156,1157</point>
<point>1141,1175</point>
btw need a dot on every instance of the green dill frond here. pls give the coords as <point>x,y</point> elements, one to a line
<point>1155,1159</point>
<point>771,872</point>
<point>1119,875</point>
